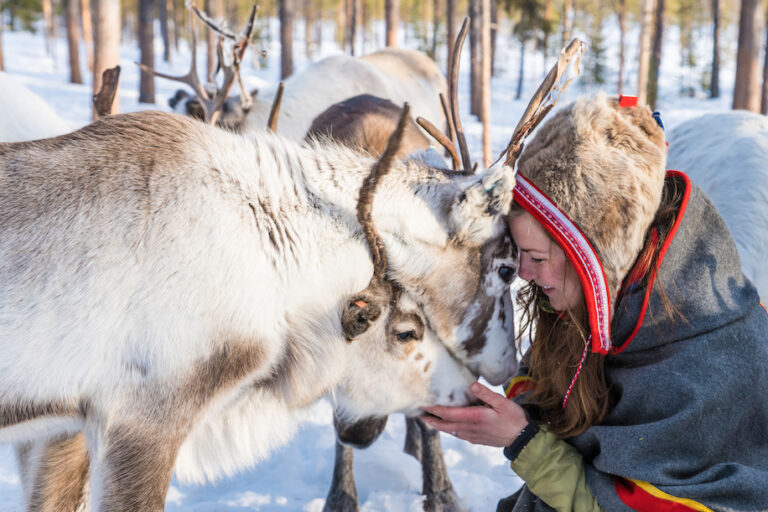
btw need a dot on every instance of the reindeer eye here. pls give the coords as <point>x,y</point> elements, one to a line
<point>406,336</point>
<point>506,273</point>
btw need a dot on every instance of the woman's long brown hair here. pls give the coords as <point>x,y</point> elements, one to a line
<point>558,342</point>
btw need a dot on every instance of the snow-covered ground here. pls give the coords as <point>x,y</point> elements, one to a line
<point>297,476</point>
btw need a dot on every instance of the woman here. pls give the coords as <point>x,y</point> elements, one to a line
<point>644,385</point>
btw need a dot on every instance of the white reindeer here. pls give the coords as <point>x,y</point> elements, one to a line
<point>366,123</point>
<point>726,154</point>
<point>25,115</point>
<point>178,292</point>
<point>396,74</point>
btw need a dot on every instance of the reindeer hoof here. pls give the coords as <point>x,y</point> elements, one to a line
<point>443,501</point>
<point>341,502</point>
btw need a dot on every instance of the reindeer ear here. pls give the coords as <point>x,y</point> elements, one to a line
<point>359,313</point>
<point>482,200</point>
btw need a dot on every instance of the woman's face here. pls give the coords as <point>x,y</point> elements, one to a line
<point>543,262</point>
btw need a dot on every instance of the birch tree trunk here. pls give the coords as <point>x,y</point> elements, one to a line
<point>714,83</point>
<point>391,10</point>
<point>146,36</point>
<point>286,38</point>
<point>646,31</point>
<point>747,90</point>
<point>106,43</point>
<point>85,18</point>
<point>72,13</point>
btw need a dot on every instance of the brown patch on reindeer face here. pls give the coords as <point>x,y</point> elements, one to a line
<point>61,475</point>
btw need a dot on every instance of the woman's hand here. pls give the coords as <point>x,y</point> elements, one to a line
<point>497,423</point>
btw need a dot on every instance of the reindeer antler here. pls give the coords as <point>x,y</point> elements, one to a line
<point>453,93</point>
<point>535,112</point>
<point>442,138</point>
<point>103,100</point>
<point>451,110</point>
<point>231,72</point>
<point>365,202</point>
<point>275,110</point>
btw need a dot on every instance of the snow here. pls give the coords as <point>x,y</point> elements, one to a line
<point>297,476</point>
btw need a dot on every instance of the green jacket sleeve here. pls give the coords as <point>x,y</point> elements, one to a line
<point>554,471</point>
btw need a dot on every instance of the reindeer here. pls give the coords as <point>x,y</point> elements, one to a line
<point>399,75</point>
<point>365,123</point>
<point>25,114</point>
<point>209,285</point>
<point>706,148</point>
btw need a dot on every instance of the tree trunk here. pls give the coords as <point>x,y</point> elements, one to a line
<point>475,73</point>
<point>73,40</point>
<point>747,90</point>
<point>494,33</point>
<point>658,38</point>
<point>353,15</point>
<point>2,64</point>
<point>286,38</point>
<point>764,96</point>
<point>215,10</point>
<point>308,24</point>
<point>146,38</point>
<point>162,13</point>
<point>450,18</point>
<point>85,18</point>
<point>48,24</point>
<point>519,92</point>
<point>177,13</point>
<point>436,7</point>
<point>714,83</point>
<point>622,34</point>
<point>485,80</point>
<point>391,10</point>
<point>106,43</point>
<point>646,31</point>
<point>567,21</point>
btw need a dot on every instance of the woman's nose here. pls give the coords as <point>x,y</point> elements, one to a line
<point>526,271</point>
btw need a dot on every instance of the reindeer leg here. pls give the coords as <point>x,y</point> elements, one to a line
<point>342,496</point>
<point>55,474</point>
<point>437,487</point>
<point>412,438</point>
<point>132,469</point>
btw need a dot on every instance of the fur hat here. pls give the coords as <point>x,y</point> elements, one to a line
<point>603,165</point>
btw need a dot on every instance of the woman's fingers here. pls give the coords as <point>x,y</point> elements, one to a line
<point>485,395</point>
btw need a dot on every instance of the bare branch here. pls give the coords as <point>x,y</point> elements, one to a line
<point>442,139</point>
<point>453,92</point>
<point>103,100</point>
<point>365,202</point>
<point>535,112</point>
<point>275,110</point>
